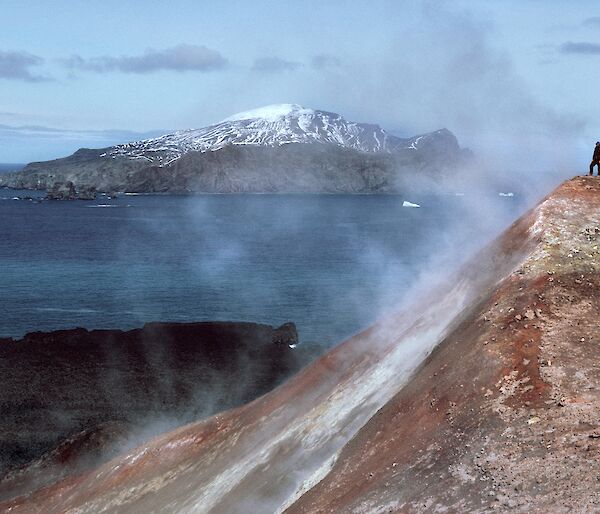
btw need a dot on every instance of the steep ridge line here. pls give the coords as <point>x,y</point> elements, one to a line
<point>513,424</point>
<point>307,445</point>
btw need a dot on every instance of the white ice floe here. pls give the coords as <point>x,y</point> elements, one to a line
<point>409,204</point>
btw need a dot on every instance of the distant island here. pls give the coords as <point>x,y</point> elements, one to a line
<point>281,148</point>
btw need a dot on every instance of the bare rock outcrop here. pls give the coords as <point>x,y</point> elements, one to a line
<point>73,398</point>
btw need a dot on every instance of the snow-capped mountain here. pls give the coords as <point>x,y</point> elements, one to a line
<point>273,125</point>
<point>281,148</point>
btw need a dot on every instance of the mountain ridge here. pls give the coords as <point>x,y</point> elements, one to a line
<point>272,125</point>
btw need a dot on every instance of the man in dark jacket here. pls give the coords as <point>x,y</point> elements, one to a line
<point>595,159</point>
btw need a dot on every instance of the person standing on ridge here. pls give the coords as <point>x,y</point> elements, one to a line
<point>595,159</point>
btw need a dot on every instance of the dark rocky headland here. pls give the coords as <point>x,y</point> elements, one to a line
<point>74,398</point>
<point>68,191</point>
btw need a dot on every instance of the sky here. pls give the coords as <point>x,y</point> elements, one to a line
<point>515,81</point>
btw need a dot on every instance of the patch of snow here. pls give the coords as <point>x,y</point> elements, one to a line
<point>414,144</point>
<point>270,112</point>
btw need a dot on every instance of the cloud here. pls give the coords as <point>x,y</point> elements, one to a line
<point>580,48</point>
<point>99,136</point>
<point>27,143</point>
<point>325,61</point>
<point>594,21</point>
<point>274,65</point>
<point>450,73</point>
<point>179,58</point>
<point>16,66</point>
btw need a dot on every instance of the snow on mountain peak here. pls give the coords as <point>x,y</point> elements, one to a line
<point>272,125</point>
<point>270,112</point>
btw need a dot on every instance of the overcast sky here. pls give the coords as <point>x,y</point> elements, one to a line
<point>491,71</point>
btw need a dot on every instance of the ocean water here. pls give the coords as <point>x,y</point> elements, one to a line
<point>332,264</point>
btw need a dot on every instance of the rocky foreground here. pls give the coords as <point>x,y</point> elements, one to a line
<point>505,412</point>
<point>74,398</point>
<point>483,396</point>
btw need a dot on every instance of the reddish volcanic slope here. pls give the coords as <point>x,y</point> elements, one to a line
<point>483,396</point>
<point>505,413</point>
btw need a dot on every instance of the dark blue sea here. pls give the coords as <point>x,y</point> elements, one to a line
<point>332,264</point>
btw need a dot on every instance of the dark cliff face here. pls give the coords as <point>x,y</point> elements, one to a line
<point>290,168</point>
<point>102,387</point>
<point>85,168</point>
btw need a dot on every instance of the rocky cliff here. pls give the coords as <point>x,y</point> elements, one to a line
<point>74,397</point>
<point>483,396</point>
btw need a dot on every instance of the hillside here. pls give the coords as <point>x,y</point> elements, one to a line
<point>281,148</point>
<point>482,395</point>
